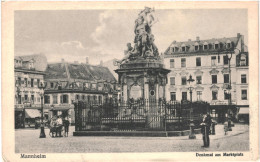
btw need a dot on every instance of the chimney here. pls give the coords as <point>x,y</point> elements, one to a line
<point>62,60</point>
<point>87,60</point>
<point>238,35</point>
<point>197,38</point>
<point>174,41</point>
<point>101,63</point>
<point>76,62</point>
<point>189,40</point>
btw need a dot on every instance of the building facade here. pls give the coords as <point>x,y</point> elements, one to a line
<point>219,68</point>
<point>29,73</point>
<point>69,82</point>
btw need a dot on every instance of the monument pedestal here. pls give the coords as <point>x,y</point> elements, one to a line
<point>144,79</point>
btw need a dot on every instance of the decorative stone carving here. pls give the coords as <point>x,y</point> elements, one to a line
<point>198,72</point>
<point>183,73</point>
<point>213,71</point>
<point>225,71</point>
<point>144,46</point>
<point>199,88</point>
<point>214,87</point>
<point>183,89</point>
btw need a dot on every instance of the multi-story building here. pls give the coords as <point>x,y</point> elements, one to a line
<point>68,82</point>
<point>207,61</point>
<point>29,71</point>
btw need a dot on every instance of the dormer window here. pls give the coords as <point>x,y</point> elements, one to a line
<point>228,44</point>
<point>243,60</point>
<point>205,47</point>
<point>183,47</point>
<point>196,48</point>
<point>216,46</point>
<point>176,49</point>
<point>173,50</point>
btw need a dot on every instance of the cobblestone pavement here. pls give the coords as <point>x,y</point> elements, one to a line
<point>28,141</point>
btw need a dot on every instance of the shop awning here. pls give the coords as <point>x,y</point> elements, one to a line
<point>32,113</point>
<point>244,110</point>
<point>60,108</point>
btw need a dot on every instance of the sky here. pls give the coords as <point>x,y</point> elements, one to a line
<point>74,35</point>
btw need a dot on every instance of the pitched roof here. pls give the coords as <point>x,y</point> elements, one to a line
<point>54,71</point>
<point>40,63</point>
<point>191,45</point>
<point>78,71</point>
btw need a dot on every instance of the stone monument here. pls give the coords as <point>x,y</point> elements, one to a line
<point>141,72</point>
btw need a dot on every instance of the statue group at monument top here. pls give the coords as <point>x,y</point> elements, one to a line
<point>144,46</point>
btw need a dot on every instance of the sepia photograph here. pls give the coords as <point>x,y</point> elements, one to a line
<point>146,79</point>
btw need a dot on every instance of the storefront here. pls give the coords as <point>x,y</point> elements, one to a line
<point>243,114</point>
<point>19,118</point>
<point>220,112</point>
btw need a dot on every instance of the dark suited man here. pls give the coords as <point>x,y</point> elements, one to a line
<point>206,129</point>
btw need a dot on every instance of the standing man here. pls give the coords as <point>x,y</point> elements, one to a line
<point>206,129</point>
<point>59,123</point>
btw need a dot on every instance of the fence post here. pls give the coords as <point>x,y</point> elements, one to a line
<point>76,116</point>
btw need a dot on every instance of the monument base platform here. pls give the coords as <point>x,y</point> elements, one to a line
<point>135,133</point>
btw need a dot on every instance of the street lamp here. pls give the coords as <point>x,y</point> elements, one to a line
<point>42,87</point>
<point>229,103</point>
<point>192,134</point>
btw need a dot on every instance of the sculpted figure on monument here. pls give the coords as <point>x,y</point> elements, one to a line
<point>144,39</point>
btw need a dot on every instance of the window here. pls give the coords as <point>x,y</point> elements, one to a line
<point>99,99</point>
<point>184,95</point>
<point>196,48</point>
<point>25,82</point>
<point>226,95</point>
<point>32,84</point>
<point>172,80</point>
<point>77,97</point>
<point>199,94</point>
<point>172,49</point>
<point>88,98</point>
<point>244,94</point>
<point>243,60</point>
<point>225,58</point>
<point>243,78</point>
<point>19,81</point>
<point>198,79</point>
<point>55,99</point>
<point>198,61</point>
<point>64,99</point>
<point>52,85</point>
<point>216,46</point>
<point>183,49</point>
<point>183,80</point>
<point>171,63</point>
<point>214,79</point>
<point>228,45</point>
<point>183,62</point>
<point>47,99</point>
<point>19,99</point>
<point>83,97</point>
<point>205,47</point>
<point>213,60</point>
<point>32,99</point>
<point>214,95</point>
<point>226,78</point>
<point>25,97</point>
<point>38,82</point>
<point>173,96</point>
